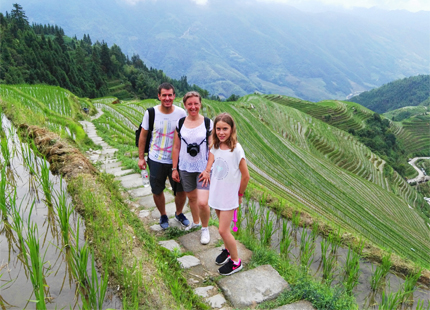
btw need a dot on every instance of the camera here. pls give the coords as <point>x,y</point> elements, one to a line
<point>193,149</point>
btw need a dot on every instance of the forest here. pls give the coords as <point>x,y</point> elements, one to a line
<point>42,54</point>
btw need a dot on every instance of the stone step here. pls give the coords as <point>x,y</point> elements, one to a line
<point>118,171</point>
<point>247,288</point>
<point>131,180</point>
<point>140,192</point>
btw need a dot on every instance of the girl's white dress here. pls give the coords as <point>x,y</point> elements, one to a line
<point>225,178</point>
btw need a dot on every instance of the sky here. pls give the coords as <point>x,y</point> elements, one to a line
<point>409,5</point>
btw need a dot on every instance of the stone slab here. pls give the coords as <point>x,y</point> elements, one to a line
<point>118,171</point>
<point>141,192</point>
<point>188,261</point>
<point>171,245</point>
<point>208,257</point>
<point>170,211</point>
<point>147,202</point>
<point>197,275</point>
<point>191,241</point>
<point>300,305</point>
<point>216,301</point>
<point>204,291</point>
<point>111,165</point>
<point>256,285</point>
<point>131,180</point>
<point>144,213</point>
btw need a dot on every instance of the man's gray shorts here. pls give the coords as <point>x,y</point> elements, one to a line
<point>190,181</point>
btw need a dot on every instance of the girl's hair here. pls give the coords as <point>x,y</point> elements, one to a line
<point>191,94</point>
<point>232,140</point>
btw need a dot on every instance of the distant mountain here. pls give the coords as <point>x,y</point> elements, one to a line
<point>412,91</point>
<point>231,47</point>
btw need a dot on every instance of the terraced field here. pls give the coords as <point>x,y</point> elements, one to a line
<point>312,165</point>
<point>414,132</point>
<point>49,106</point>
<point>284,147</point>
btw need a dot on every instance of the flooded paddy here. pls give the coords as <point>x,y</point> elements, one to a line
<point>304,248</point>
<point>41,236</point>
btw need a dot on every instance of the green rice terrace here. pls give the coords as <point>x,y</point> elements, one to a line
<point>299,153</point>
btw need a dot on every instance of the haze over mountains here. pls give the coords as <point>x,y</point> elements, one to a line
<point>242,48</point>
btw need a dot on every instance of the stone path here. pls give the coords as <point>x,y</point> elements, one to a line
<point>241,290</point>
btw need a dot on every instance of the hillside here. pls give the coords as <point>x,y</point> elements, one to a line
<point>412,91</point>
<point>44,54</point>
<point>300,163</point>
<point>227,47</point>
<point>325,171</point>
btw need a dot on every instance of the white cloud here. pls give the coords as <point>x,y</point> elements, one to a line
<point>200,2</point>
<point>410,5</point>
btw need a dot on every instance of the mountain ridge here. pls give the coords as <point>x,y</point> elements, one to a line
<point>269,49</point>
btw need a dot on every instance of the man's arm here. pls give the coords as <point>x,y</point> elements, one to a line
<point>142,142</point>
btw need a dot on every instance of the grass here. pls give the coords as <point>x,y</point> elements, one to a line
<point>64,211</point>
<point>351,270</point>
<point>329,261</point>
<point>3,194</point>
<point>381,272</point>
<point>45,182</point>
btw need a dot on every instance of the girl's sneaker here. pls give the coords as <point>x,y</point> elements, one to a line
<point>230,268</point>
<point>223,257</point>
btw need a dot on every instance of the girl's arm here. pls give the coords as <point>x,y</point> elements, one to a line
<point>175,157</point>
<point>243,167</point>
<point>206,174</point>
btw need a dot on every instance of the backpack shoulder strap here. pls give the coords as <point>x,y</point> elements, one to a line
<point>207,125</point>
<point>151,112</point>
<point>180,124</point>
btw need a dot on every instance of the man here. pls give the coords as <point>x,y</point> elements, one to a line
<point>160,152</point>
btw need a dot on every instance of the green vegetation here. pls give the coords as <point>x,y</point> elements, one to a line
<point>43,54</point>
<point>362,200</point>
<point>412,91</point>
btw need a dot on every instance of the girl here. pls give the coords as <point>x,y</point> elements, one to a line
<point>229,179</point>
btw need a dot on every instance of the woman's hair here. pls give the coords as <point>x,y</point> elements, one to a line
<point>191,94</point>
<point>232,140</point>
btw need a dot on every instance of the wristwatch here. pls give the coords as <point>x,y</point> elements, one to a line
<point>174,169</point>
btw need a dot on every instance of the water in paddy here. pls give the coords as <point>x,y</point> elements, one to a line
<point>365,296</point>
<point>16,289</point>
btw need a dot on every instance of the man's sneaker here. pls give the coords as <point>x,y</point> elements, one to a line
<point>182,219</point>
<point>230,268</point>
<point>164,222</point>
<point>205,237</point>
<point>193,225</point>
<point>223,257</point>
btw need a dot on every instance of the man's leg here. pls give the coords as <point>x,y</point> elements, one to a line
<point>180,199</point>
<point>160,202</point>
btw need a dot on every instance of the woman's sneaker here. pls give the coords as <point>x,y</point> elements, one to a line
<point>223,257</point>
<point>230,268</point>
<point>192,225</point>
<point>205,237</point>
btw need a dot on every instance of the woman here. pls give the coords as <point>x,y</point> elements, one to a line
<point>190,149</point>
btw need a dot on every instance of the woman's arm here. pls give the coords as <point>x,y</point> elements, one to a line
<point>243,167</point>
<point>175,157</point>
<point>206,174</point>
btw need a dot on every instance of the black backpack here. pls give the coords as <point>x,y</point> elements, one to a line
<point>207,125</point>
<point>151,112</point>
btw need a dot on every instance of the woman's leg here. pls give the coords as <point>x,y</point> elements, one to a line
<point>203,207</point>
<point>225,218</point>
<point>192,200</point>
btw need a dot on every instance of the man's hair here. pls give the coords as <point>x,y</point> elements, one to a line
<point>191,94</point>
<point>232,140</point>
<point>166,86</point>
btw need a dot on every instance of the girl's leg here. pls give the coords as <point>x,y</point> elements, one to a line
<point>192,200</point>
<point>225,218</point>
<point>203,207</point>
